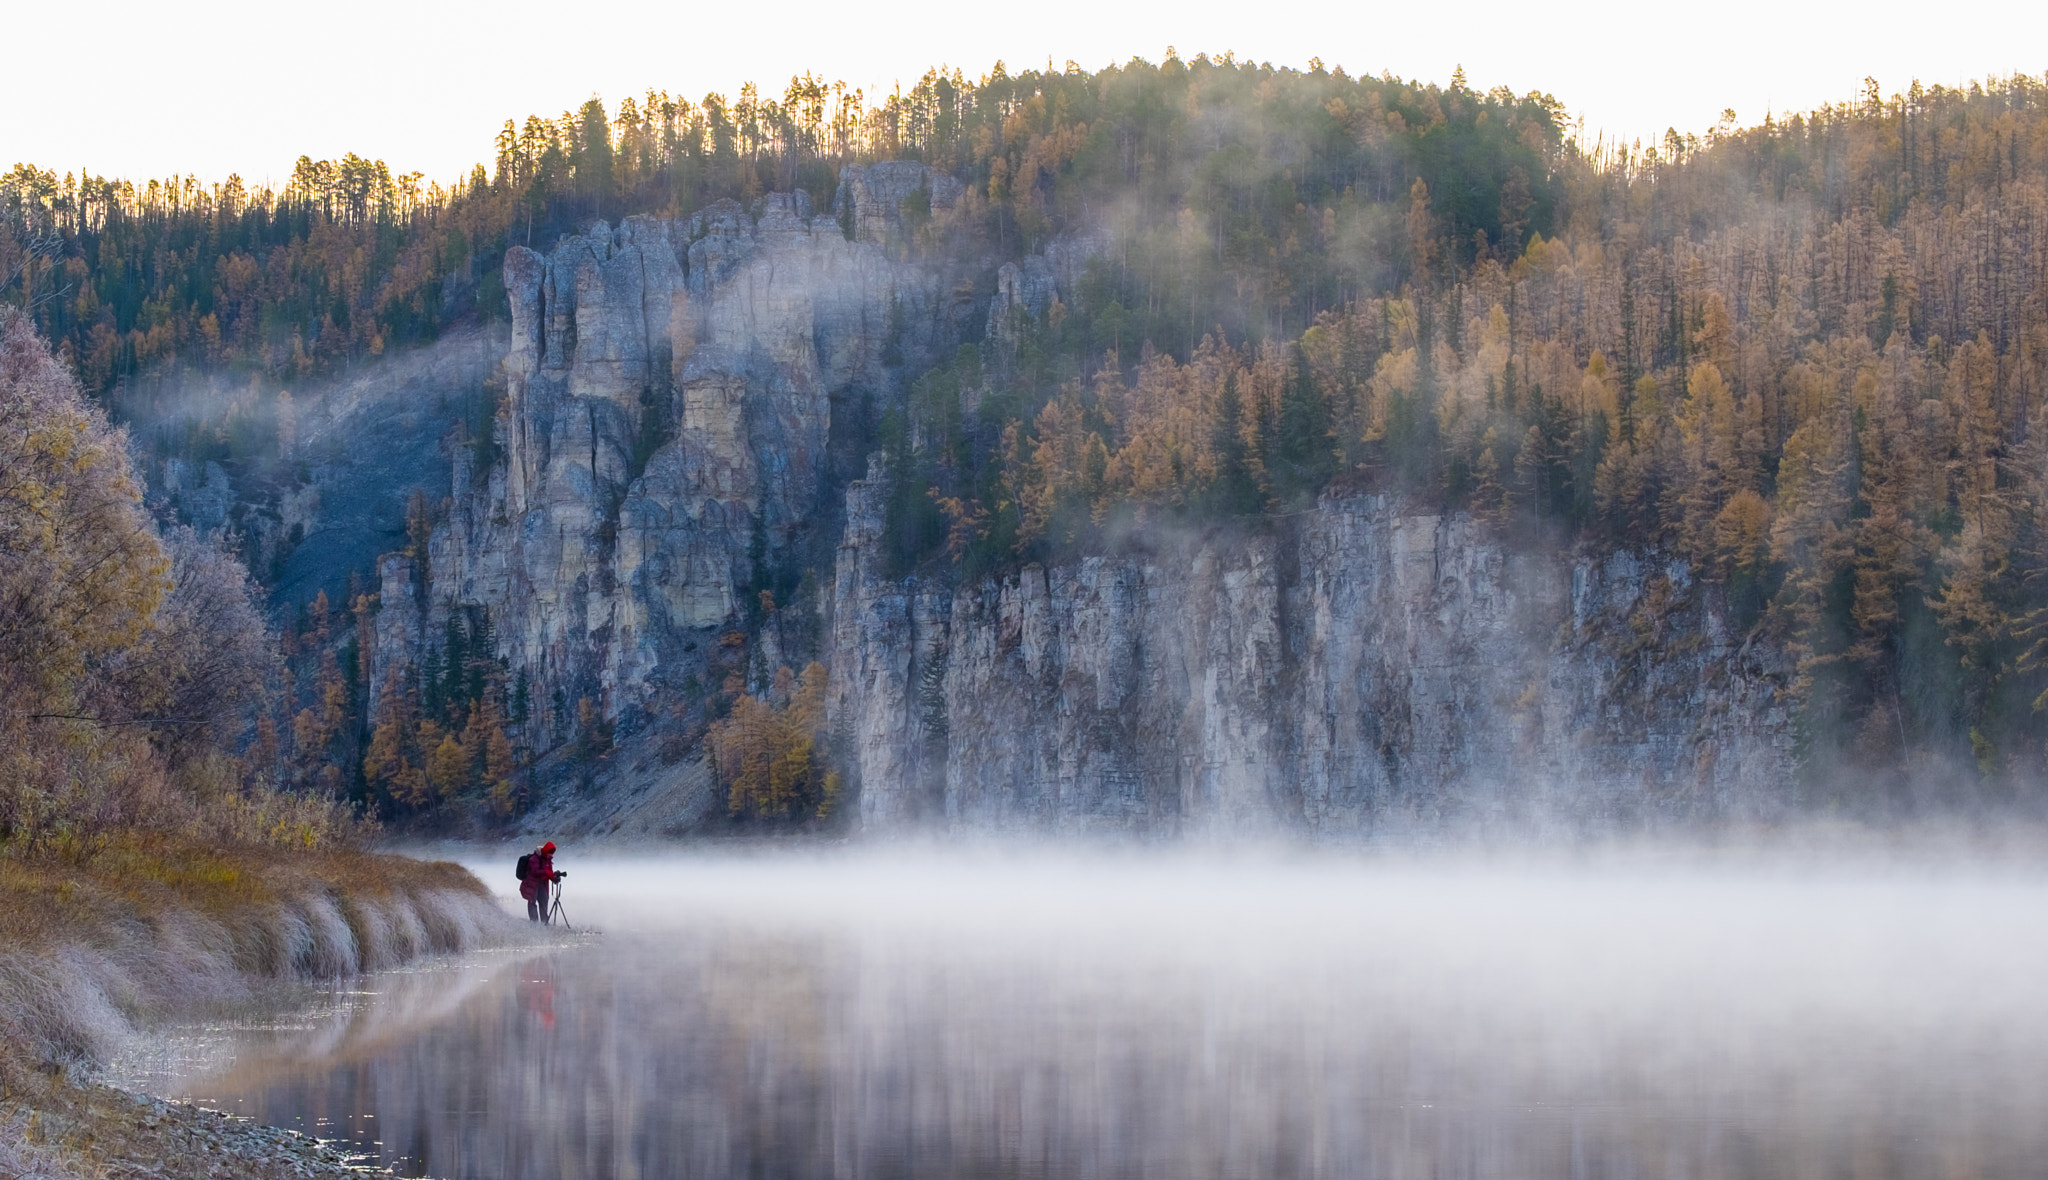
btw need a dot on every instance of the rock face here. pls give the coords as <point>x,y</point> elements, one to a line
<point>675,392</point>
<point>1360,672</point>
<point>352,449</point>
<point>1031,286</point>
<point>669,402</point>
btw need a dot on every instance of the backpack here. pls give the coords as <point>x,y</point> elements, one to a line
<point>521,871</point>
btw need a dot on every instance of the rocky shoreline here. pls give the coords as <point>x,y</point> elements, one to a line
<point>102,1132</point>
<point>94,952</point>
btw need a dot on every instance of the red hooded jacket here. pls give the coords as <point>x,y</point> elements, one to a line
<point>540,870</point>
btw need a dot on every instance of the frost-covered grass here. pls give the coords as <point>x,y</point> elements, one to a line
<point>23,1159</point>
<point>155,924</point>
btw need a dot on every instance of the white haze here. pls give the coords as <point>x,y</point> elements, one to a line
<point>1631,933</point>
<point>1674,957</point>
<point>988,1009</point>
<point>149,89</point>
<point>1575,970</point>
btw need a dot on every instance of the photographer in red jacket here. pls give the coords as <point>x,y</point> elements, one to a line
<point>537,874</point>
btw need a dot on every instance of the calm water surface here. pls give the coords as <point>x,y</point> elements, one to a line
<point>917,1014</point>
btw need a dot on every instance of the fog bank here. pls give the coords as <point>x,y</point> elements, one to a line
<point>920,1011</point>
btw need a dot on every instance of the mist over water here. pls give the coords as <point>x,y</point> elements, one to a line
<point>1007,1012</point>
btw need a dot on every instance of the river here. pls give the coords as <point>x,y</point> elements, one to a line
<point>998,1012</point>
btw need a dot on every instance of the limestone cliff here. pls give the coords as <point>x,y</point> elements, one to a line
<point>1358,670</point>
<point>667,421</point>
<point>674,397</point>
<point>350,450</point>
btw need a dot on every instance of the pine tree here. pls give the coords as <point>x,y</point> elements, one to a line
<point>391,764</point>
<point>593,159</point>
<point>448,764</point>
<point>1303,455</point>
<point>1532,471</point>
<point>1490,499</point>
<point>1236,491</point>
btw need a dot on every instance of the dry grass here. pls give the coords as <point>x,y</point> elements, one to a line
<point>21,1158</point>
<point>152,924</point>
<point>146,924</point>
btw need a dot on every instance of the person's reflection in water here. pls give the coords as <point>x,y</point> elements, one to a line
<point>537,991</point>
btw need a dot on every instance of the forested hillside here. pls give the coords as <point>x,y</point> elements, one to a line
<point>1288,171</point>
<point>1808,357</point>
<point>134,665</point>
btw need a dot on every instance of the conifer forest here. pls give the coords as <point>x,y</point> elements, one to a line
<point>1805,360</point>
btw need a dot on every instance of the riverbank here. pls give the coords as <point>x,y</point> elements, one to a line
<point>94,948</point>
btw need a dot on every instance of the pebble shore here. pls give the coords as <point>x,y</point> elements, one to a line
<point>98,1131</point>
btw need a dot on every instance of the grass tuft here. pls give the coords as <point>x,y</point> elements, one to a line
<point>152,923</point>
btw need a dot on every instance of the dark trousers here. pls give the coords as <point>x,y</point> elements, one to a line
<point>537,905</point>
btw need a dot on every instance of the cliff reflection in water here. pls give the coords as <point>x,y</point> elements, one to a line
<point>900,1015</point>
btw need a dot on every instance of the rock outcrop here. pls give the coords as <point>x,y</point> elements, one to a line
<point>1360,670</point>
<point>1032,285</point>
<point>667,420</point>
<point>351,450</point>
<point>674,392</point>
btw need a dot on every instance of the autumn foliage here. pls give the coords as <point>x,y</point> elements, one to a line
<point>1804,358</point>
<point>1802,362</point>
<point>769,751</point>
<point>131,662</point>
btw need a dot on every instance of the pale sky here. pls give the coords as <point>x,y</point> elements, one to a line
<point>142,88</point>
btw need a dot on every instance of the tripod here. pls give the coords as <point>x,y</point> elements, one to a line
<point>555,913</point>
